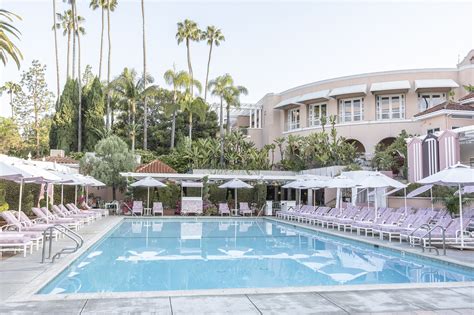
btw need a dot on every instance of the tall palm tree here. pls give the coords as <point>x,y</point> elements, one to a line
<point>214,36</point>
<point>188,31</point>
<point>58,89</point>
<point>232,98</point>
<point>11,88</point>
<point>145,107</point>
<point>192,105</point>
<point>111,5</point>
<point>102,4</point>
<point>7,47</point>
<point>131,91</point>
<point>219,87</point>
<point>178,80</point>
<point>66,22</point>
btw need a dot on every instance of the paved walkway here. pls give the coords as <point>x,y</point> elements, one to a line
<point>412,301</point>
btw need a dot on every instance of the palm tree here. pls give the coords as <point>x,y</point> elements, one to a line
<point>102,4</point>
<point>232,98</point>
<point>7,47</point>
<point>214,36</point>
<point>192,105</point>
<point>11,88</point>
<point>66,22</point>
<point>177,80</point>
<point>111,5</point>
<point>279,142</point>
<point>58,89</point>
<point>188,31</point>
<point>145,108</point>
<point>218,87</point>
<point>131,91</point>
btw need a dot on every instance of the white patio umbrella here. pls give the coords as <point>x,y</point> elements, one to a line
<point>340,182</point>
<point>235,184</point>
<point>148,182</point>
<point>421,190</point>
<point>379,180</point>
<point>457,175</point>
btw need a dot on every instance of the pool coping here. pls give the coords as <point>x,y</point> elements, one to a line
<point>29,293</point>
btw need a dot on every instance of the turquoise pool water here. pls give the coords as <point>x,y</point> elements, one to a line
<point>189,254</point>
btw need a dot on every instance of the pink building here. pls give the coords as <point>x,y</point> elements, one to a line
<point>370,108</point>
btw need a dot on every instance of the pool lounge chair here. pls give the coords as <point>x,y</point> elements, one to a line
<point>157,208</point>
<point>318,214</point>
<point>346,223</point>
<point>346,213</point>
<point>224,209</point>
<point>411,223</point>
<point>14,225</point>
<point>303,217</point>
<point>103,212</point>
<point>245,209</point>
<point>191,207</point>
<point>370,221</point>
<point>452,234</point>
<point>53,219</point>
<point>75,209</point>
<point>15,242</point>
<point>62,212</point>
<point>137,207</point>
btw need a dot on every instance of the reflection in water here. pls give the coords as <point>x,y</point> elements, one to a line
<point>158,254</point>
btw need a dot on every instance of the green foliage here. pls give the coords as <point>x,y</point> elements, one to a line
<point>3,203</point>
<point>205,153</point>
<point>12,193</point>
<point>392,157</point>
<point>63,133</point>
<point>147,156</point>
<point>319,149</point>
<point>169,195</point>
<point>10,139</point>
<point>352,167</point>
<point>8,49</point>
<point>469,88</point>
<point>93,115</point>
<point>111,157</point>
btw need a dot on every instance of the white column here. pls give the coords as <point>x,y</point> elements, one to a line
<point>260,118</point>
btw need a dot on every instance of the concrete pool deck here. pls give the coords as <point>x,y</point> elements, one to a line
<point>21,277</point>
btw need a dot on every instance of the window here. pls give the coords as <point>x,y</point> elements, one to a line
<point>428,100</point>
<point>351,110</point>
<point>390,107</point>
<point>431,131</point>
<point>293,119</point>
<point>316,111</point>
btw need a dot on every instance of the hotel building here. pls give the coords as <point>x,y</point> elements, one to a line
<point>370,108</point>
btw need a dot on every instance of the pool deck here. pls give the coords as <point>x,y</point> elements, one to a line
<point>21,277</point>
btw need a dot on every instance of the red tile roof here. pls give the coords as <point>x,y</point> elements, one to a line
<point>467,97</point>
<point>155,166</point>
<point>59,159</point>
<point>448,106</point>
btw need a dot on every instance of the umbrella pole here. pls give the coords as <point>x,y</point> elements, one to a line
<point>62,193</point>
<point>75,194</point>
<point>376,205</point>
<point>148,198</point>
<point>19,204</point>
<point>460,216</point>
<point>47,197</point>
<point>431,196</point>
<point>236,201</point>
<point>406,209</point>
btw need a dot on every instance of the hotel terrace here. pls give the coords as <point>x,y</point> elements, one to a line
<point>370,108</point>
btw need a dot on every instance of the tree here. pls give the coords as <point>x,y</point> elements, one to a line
<point>7,47</point>
<point>469,88</point>
<point>192,105</point>
<point>232,98</point>
<point>279,142</point>
<point>218,87</point>
<point>93,115</point>
<point>63,133</point>
<point>188,31</point>
<point>11,88</point>
<point>111,5</point>
<point>110,158</point>
<point>177,81</point>
<point>56,50</point>
<point>33,103</point>
<point>145,109</point>
<point>213,36</point>
<point>393,156</point>
<point>102,4</point>
<point>66,22</point>
<point>131,91</point>
<point>10,139</point>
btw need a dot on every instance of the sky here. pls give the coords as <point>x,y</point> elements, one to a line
<point>270,46</point>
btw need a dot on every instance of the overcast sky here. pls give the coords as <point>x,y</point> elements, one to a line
<point>270,46</point>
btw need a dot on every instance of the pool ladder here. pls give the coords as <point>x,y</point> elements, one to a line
<point>64,230</point>
<point>429,246</point>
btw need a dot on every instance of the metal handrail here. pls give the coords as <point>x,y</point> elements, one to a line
<point>65,231</point>
<point>261,210</point>
<point>431,229</point>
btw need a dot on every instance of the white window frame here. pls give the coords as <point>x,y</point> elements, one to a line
<point>315,120</point>
<point>292,125</point>
<point>422,106</point>
<point>342,104</point>
<point>432,130</point>
<point>378,108</point>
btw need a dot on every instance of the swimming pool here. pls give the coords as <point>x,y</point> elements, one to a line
<point>190,254</point>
